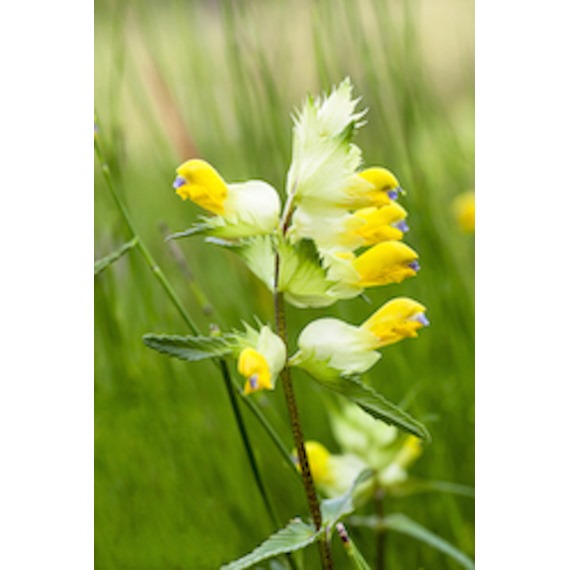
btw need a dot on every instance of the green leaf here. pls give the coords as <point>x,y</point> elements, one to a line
<point>257,252</point>
<point>334,509</point>
<point>375,404</point>
<point>191,348</point>
<point>195,230</point>
<point>294,536</point>
<point>103,263</point>
<point>414,486</point>
<point>404,525</point>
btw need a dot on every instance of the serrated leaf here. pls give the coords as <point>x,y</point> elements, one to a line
<point>294,536</point>
<point>375,404</point>
<point>334,509</point>
<point>104,262</point>
<point>195,230</point>
<point>404,525</point>
<point>191,348</point>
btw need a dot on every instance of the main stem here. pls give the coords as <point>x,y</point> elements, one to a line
<point>308,483</point>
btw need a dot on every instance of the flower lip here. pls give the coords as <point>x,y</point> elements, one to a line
<point>253,381</point>
<point>414,265</point>
<point>178,182</point>
<point>421,318</point>
<point>402,226</point>
<point>393,193</point>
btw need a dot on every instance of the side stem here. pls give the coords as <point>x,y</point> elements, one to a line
<point>157,271</point>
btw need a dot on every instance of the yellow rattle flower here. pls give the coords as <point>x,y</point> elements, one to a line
<point>261,358</point>
<point>242,209</point>
<point>330,347</point>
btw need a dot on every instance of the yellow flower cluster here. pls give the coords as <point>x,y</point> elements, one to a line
<point>339,232</point>
<point>341,207</point>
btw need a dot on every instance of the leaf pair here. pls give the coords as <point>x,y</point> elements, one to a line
<point>298,534</point>
<point>192,348</point>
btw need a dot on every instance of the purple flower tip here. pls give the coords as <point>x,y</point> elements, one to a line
<point>393,194</point>
<point>253,381</point>
<point>402,226</point>
<point>414,265</point>
<point>179,181</point>
<point>421,318</point>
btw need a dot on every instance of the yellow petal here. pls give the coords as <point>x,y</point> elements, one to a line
<point>253,366</point>
<point>386,185</point>
<point>410,451</point>
<point>396,320</point>
<point>386,262</point>
<point>378,223</point>
<point>201,183</point>
<point>319,462</point>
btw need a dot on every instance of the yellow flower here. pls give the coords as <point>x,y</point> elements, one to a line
<point>242,209</point>
<point>334,229</point>
<point>261,358</point>
<point>385,186</point>
<point>381,224</point>
<point>333,474</point>
<point>196,180</point>
<point>396,320</point>
<point>329,347</point>
<point>464,209</point>
<point>253,366</point>
<point>386,262</point>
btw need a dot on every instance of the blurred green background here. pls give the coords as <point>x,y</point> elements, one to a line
<point>176,79</point>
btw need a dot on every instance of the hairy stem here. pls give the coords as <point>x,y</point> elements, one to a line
<point>308,483</point>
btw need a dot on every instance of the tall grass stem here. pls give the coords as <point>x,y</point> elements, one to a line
<point>157,271</point>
